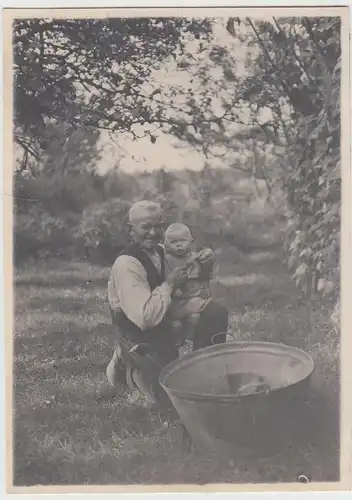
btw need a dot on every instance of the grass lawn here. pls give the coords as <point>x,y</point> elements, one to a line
<point>71,429</point>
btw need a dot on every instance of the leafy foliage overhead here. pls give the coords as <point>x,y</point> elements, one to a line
<point>92,72</point>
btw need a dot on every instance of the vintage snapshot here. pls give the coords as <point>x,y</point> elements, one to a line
<point>176,207</point>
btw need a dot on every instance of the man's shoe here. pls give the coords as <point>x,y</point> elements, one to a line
<point>116,369</point>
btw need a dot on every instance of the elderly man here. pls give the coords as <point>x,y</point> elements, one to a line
<point>139,296</point>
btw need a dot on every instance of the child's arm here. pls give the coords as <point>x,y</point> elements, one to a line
<point>206,259</point>
<point>205,255</point>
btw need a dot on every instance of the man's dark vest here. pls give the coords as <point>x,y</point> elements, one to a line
<point>154,278</point>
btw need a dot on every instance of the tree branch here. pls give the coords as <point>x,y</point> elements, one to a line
<point>27,147</point>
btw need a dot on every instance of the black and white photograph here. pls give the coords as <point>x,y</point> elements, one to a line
<point>176,207</point>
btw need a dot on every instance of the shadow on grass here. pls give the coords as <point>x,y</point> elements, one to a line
<point>69,305</point>
<point>62,282</point>
<point>61,370</point>
<point>51,343</point>
<point>256,294</point>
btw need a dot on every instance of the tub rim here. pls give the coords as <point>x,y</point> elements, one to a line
<point>210,351</point>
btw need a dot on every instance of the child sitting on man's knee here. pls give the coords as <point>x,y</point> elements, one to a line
<point>189,300</point>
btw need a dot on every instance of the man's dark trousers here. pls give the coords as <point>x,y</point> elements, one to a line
<point>158,349</point>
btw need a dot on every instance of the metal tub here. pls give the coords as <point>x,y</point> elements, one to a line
<point>240,394</point>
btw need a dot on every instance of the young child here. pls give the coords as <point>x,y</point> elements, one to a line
<point>189,300</point>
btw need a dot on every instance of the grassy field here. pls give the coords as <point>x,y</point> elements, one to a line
<point>71,429</point>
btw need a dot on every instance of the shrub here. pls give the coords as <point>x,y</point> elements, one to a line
<point>103,230</point>
<point>38,234</point>
<point>315,196</point>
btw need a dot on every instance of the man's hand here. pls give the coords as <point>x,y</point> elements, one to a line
<point>177,277</point>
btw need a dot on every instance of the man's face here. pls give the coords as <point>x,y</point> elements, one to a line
<point>148,232</point>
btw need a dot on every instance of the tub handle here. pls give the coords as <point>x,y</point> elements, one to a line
<point>141,349</point>
<point>222,333</point>
<point>262,388</point>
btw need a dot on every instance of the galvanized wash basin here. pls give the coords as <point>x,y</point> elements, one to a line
<point>238,393</point>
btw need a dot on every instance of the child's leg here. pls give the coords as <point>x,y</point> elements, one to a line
<point>191,325</point>
<point>177,332</point>
<point>176,324</point>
